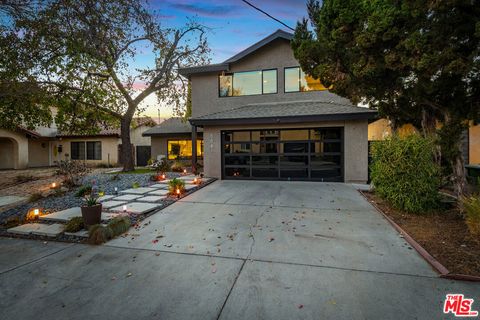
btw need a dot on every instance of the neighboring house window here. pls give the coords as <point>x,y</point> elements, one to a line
<point>77,149</point>
<point>297,81</point>
<point>182,149</point>
<point>94,150</point>
<point>248,83</point>
<point>90,150</point>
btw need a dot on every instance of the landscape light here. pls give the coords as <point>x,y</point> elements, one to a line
<point>124,208</point>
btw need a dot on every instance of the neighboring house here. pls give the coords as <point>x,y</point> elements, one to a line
<point>263,118</point>
<point>44,146</point>
<point>173,139</point>
<point>381,129</point>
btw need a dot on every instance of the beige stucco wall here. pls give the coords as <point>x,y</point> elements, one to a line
<point>474,148</point>
<point>136,136</point>
<point>109,149</point>
<point>38,153</point>
<point>19,158</point>
<point>355,146</point>
<point>6,153</point>
<point>159,146</point>
<point>276,55</point>
<point>380,129</point>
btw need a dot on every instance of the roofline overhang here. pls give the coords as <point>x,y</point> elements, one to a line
<point>113,135</point>
<point>286,119</point>
<point>170,134</point>
<point>187,71</point>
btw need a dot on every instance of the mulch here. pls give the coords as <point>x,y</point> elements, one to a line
<point>443,234</point>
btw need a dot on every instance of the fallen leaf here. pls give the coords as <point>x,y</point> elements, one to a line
<point>129,274</point>
<point>114,278</point>
<point>271,239</point>
<point>157,253</point>
<point>300,306</point>
<point>154,241</point>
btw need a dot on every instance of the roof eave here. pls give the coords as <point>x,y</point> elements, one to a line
<point>285,119</point>
<point>187,71</point>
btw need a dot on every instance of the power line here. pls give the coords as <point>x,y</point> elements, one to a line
<point>268,15</point>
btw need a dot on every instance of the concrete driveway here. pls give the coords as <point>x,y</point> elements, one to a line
<point>234,250</point>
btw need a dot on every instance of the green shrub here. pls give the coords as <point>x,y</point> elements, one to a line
<point>175,184</point>
<point>74,225</point>
<point>177,166</point>
<point>119,225</point>
<point>471,207</point>
<point>135,185</point>
<point>21,178</point>
<point>83,191</point>
<point>35,197</point>
<point>404,172</point>
<point>99,234</point>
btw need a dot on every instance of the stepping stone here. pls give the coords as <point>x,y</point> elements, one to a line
<point>138,190</point>
<point>189,187</point>
<point>106,216</point>
<point>161,183</point>
<point>6,200</point>
<point>189,177</point>
<point>159,186</point>
<point>151,198</point>
<point>161,192</point>
<point>112,203</point>
<point>64,215</point>
<point>126,197</point>
<point>137,207</point>
<point>105,198</point>
<point>81,234</point>
<point>49,230</point>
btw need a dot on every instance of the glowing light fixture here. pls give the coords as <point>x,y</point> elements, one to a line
<point>124,208</point>
<point>54,185</point>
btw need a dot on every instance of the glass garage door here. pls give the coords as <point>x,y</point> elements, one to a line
<point>283,154</point>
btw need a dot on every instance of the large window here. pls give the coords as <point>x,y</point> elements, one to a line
<point>89,150</point>
<point>284,154</point>
<point>247,83</point>
<point>182,149</point>
<point>297,81</point>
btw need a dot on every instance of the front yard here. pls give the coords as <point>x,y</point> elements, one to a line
<point>443,233</point>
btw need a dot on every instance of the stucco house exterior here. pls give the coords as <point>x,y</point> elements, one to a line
<point>261,117</point>
<point>44,146</point>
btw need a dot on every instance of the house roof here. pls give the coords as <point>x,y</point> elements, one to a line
<point>286,112</point>
<point>170,127</point>
<point>104,132</point>
<point>225,66</point>
<point>143,121</point>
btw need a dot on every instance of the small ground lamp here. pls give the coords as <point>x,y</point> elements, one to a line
<point>184,171</point>
<point>161,177</point>
<point>54,185</point>
<point>33,214</point>
<point>196,180</point>
<point>116,190</point>
<point>178,192</point>
<point>124,208</point>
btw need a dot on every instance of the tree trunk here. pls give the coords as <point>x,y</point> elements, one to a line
<point>127,156</point>
<point>429,130</point>
<point>459,174</point>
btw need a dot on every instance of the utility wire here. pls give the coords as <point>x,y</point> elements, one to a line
<point>268,15</point>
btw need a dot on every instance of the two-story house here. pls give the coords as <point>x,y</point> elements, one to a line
<point>262,117</point>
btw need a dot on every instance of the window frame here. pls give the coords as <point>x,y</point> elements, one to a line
<point>94,149</point>
<point>232,74</point>
<point>85,150</point>
<point>199,149</point>
<point>299,81</point>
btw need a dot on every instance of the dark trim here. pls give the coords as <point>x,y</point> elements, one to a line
<point>278,167</point>
<point>187,71</point>
<point>285,119</point>
<point>248,95</point>
<point>172,134</point>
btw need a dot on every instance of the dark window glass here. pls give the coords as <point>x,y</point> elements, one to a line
<point>293,161</point>
<point>326,173</point>
<point>294,173</point>
<point>237,172</point>
<point>265,135</point>
<point>225,85</point>
<point>232,148</point>
<point>264,172</point>
<point>325,134</point>
<point>269,81</point>
<point>264,160</point>
<point>237,160</point>
<point>77,150</point>
<point>325,160</point>
<point>259,148</point>
<point>294,147</point>
<point>94,150</point>
<point>320,147</point>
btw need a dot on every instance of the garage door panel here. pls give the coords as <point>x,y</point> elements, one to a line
<point>269,155</point>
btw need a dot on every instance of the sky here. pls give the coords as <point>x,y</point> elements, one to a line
<point>233,26</point>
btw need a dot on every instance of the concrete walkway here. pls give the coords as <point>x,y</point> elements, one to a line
<point>234,250</point>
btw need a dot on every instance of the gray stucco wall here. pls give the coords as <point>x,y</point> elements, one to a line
<point>355,146</point>
<point>277,55</point>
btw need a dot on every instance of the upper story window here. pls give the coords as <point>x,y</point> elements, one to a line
<point>248,83</point>
<point>297,81</point>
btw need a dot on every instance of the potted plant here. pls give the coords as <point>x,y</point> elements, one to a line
<point>92,211</point>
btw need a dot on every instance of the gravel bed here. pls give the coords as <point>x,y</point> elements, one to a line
<point>105,181</point>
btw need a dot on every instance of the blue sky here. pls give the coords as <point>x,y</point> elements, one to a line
<point>233,25</point>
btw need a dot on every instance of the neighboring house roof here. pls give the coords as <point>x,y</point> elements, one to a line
<point>286,112</point>
<point>104,132</point>
<point>143,121</point>
<point>170,127</point>
<point>225,66</point>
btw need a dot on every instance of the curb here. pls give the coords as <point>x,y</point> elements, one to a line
<point>440,268</point>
